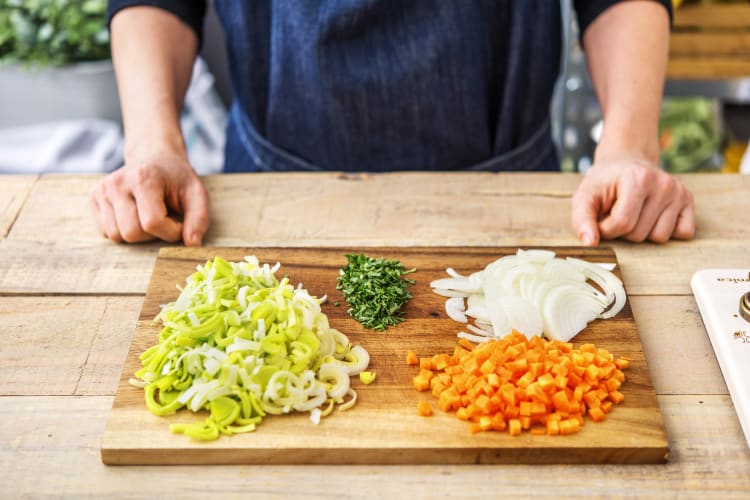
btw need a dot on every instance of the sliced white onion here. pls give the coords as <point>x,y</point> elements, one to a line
<point>454,307</point>
<point>456,284</point>
<point>532,292</point>
<point>448,293</point>
<point>485,332</point>
<point>315,416</point>
<point>523,316</point>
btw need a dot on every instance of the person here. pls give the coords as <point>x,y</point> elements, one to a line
<point>376,85</point>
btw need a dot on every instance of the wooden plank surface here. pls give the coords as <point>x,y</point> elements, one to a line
<point>14,190</point>
<point>42,360</point>
<point>632,433</point>
<point>51,444</point>
<point>380,209</point>
<point>109,268</point>
<point>279,208</point>
<point>64,345</point>
<point>51,448</point>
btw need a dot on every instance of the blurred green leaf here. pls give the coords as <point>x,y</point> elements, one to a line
<point>57,32</point>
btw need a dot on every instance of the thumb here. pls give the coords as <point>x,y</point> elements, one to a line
<point>584,217</point>
<point>195,213</point>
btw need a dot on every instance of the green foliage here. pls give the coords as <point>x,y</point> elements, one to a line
<point>53,32</point>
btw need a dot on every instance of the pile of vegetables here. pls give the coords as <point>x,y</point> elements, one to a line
<point>516,384</point>
<point>242,344</point>
<point>689,135</point>
<point>532,292</point>
<point>375,290</point>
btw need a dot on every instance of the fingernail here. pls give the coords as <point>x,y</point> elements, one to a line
<point>587,239</point>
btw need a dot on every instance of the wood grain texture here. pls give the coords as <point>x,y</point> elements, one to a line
<point>55,267</point>
<point>64,345</point>
<point>51,447</point>
<point>678,350</point>
<point>714,16</point>
<point>450,208</point>
<point>383,427</point>
<point>710,42</point>
<point>109,268</point>
<point>384,209</point>
<point>708,68</point>
<point>49,336</point>
<point>14,189</point>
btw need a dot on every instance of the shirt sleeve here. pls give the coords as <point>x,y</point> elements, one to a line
<point>588,10</point>
<point>190,12</point>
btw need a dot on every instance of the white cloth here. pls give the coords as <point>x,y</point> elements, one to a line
<point>96,146</point>
<point>73,146</point>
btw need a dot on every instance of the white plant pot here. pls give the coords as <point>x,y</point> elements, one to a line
<point>30,96</point>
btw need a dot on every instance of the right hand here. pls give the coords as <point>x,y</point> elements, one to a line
<point>136,203</point>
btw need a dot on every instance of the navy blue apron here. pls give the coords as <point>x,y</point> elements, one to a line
<point>385,85</point>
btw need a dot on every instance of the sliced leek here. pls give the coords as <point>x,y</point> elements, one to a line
<point>241,344</point>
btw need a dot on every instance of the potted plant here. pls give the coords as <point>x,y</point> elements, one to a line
<point>55,62</point>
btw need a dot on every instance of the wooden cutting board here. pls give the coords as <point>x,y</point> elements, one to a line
<point>383,427</point>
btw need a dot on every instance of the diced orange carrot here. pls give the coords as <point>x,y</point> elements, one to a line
<point>459,352</point>
<point>525,408</point>
<point>498,422</point>
<point>587,348</point>
<point>538,408</point>
<point>596,414</point>
<point>553,427</point>
<point>425,363</point>
<point>514,427</point>
<point>516,384</point>
<point>411,358</point>
<point>616,397</point>
<point>591,373</point>
<point>424,409</point>
<point>485,422</point>
<point>466,344</point>
<point>560,401</point>
<point>421,383</point>
<point>440,361</point>
<point>538,430</point>
<point>569,426</point>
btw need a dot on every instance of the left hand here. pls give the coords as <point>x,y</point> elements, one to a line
<point>631,198</point>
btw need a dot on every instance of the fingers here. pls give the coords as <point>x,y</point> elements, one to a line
<point>632,200</point>
<point>657,211</point>
<point>685,227</point>
<point>194,201</point>
<point>126,218</point>
<point>104,216</point>
<point>129,206</point>
<point>589,202</point>
<point>152,215</point>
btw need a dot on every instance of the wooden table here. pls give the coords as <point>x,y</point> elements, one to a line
<point>70,299</point>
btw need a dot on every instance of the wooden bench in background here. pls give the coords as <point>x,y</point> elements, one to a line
<point>710,41</point>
